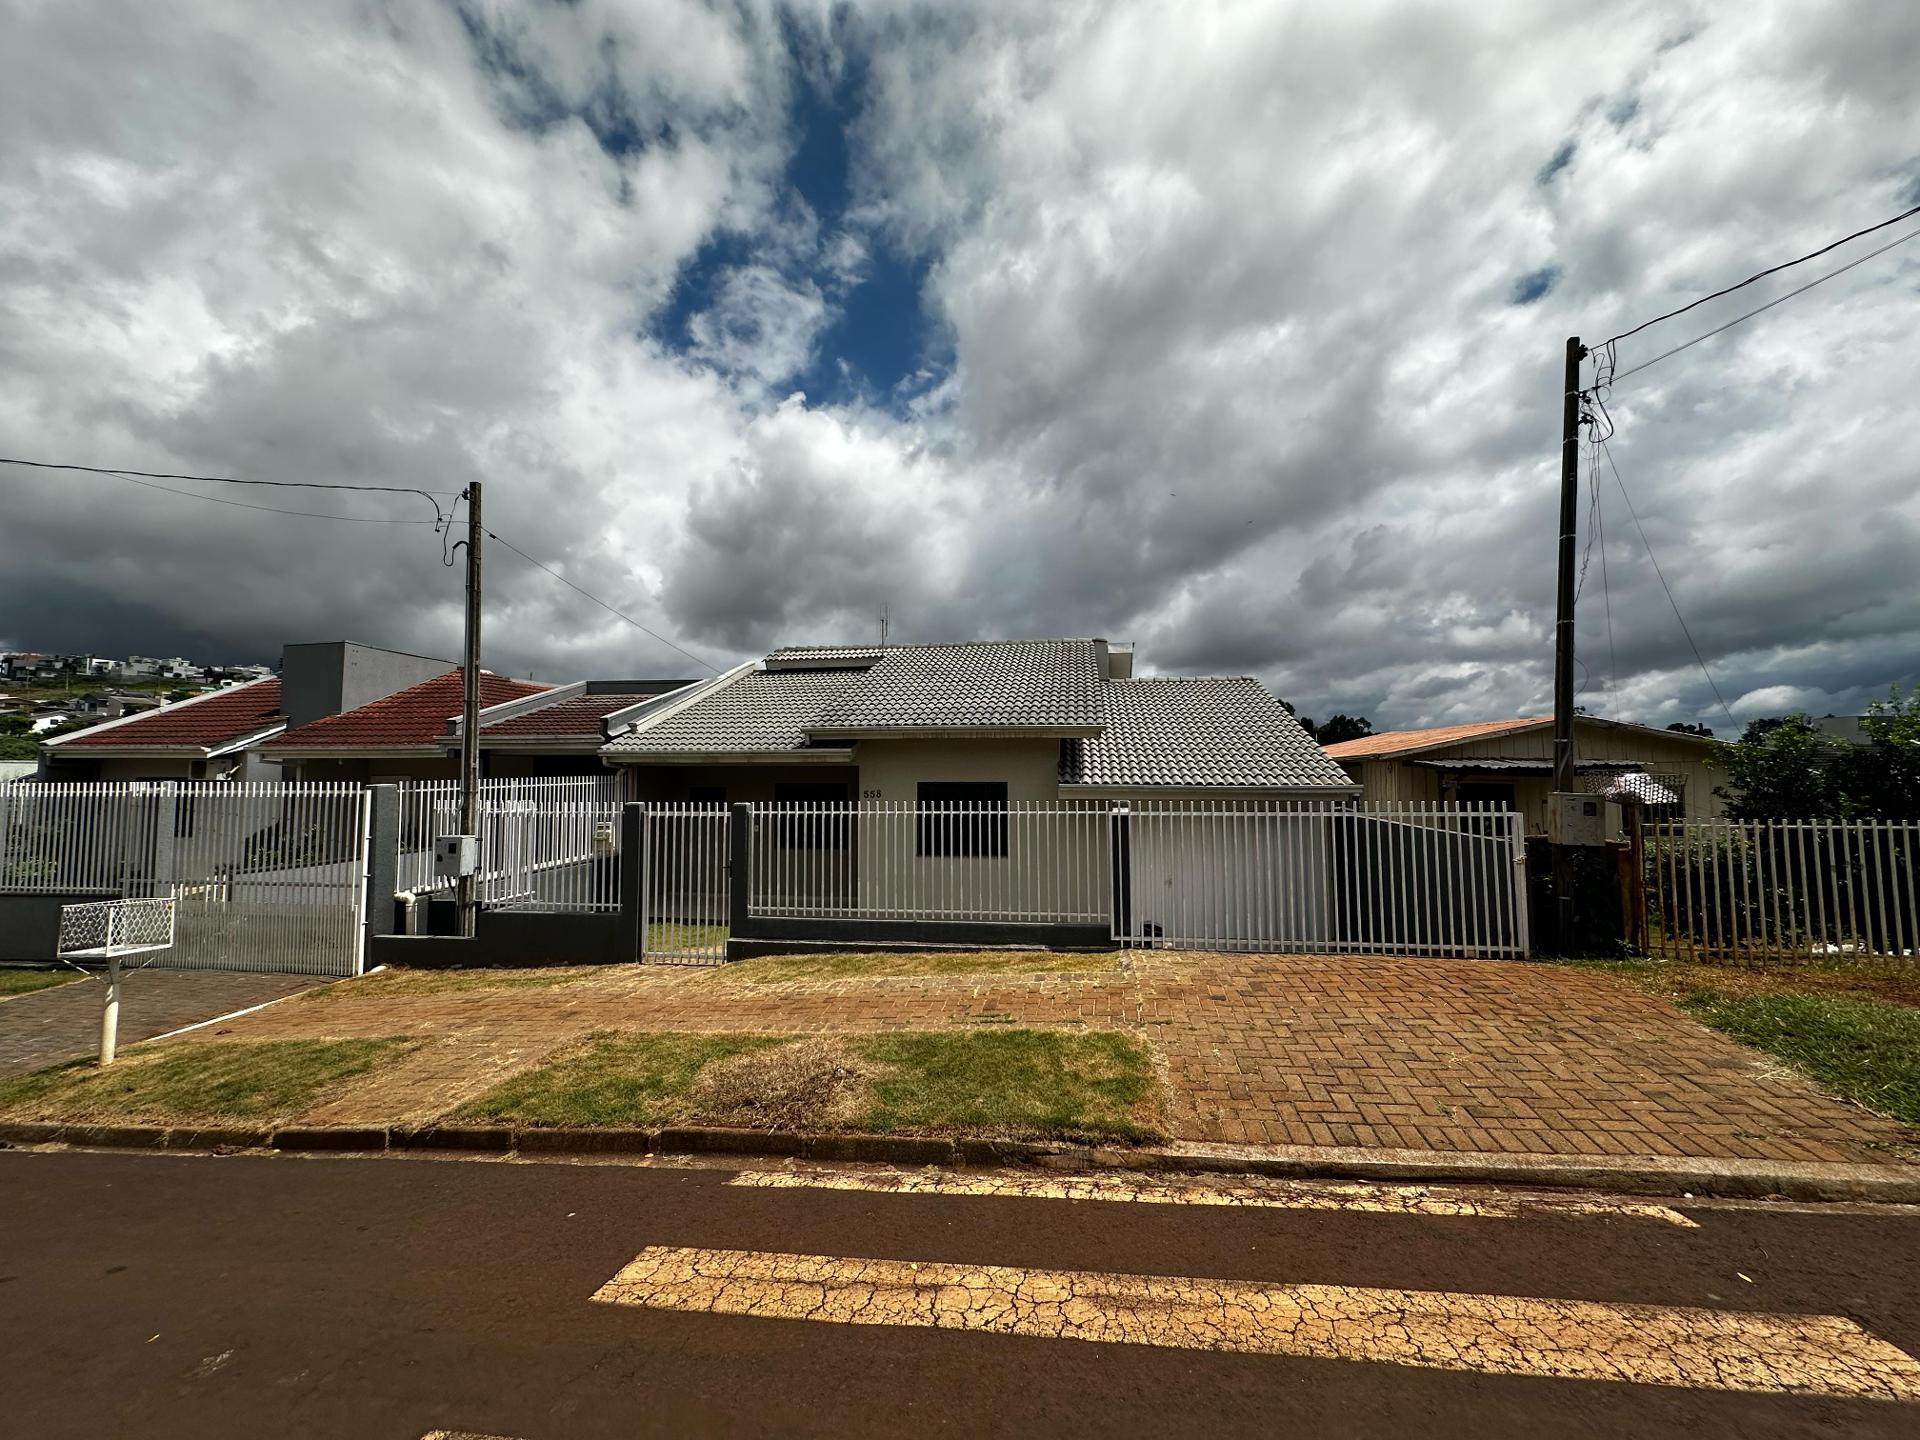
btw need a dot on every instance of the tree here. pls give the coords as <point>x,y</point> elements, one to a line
<point>1881,778</point>
<point>1688,727</point>
<point>1785,769</point>
<point>1343,727</point>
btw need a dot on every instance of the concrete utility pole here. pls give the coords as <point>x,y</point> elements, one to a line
<point>470,708</point>
<point>1563,758</point>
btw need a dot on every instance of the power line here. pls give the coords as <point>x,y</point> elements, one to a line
<point>491,535</point>
<point>1761,275</point>
<point>1697,657</point>
<point>426,495</point>
<point>237,504</point>
<point>1739,319</point>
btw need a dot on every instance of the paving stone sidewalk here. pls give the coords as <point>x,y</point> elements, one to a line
<point>48,1026</point>
<point>1444,1055</point>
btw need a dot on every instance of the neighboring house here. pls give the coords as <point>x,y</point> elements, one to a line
<point>1510,762</point>
<point>560,731</point>
<point>210,737</point>
<point>402,735</point>
<point>985,722</point>
<point>220,735</point>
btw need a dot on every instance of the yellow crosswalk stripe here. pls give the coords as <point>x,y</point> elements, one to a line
<point>1490,1334</point>
<point>1251,1194</point>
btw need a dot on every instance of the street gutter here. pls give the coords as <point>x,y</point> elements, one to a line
<point>1621,1175</point>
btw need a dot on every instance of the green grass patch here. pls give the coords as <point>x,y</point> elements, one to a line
<point>614,1079</point>
<point>1016,1083</point>
<point>835,965</point>
<point>25,982</point>
<point>260,1081</point>
<point>1861,1050</point>
<point>1043,1083</point>
<point>448,982</point>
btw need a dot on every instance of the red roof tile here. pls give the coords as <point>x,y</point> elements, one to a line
<point>580,716</point>
<point>190,725</point>
<point>406,719</point>
<point>1395,742</point>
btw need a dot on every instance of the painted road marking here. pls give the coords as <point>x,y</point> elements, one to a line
<point>1386,1199</point>
<point>1488,1334</point>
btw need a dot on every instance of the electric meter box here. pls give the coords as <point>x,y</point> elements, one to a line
<point>455,856</point>
<point>1576,819</point>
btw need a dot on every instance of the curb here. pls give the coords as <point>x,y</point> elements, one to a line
<point>1624,1175</point>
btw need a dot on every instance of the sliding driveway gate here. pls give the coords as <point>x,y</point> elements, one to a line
<point>264,875</point>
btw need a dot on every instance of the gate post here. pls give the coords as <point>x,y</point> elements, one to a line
<point>383,865</point>
<point>633,874</point>
<point>739,866</point>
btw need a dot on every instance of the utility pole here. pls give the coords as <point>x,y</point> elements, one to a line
<point>1563,758</point>
<point>470,707</point>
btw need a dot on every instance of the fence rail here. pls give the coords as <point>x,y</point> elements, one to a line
<point>1734,891</point>
<point>1218,875</point>
<point>546,842</point>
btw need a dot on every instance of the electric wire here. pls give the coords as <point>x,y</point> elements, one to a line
<point>1771,270</point>
<point>270,509</point>
<point>1697,657</point>
<point>491,535</point>
<point>141,476</point>
<point>1761,309</point>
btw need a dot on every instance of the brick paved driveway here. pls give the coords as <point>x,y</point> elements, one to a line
<point>49,1026</point>
<point>1446,1055</point>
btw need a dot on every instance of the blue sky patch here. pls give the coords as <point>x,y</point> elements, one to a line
<point>876,337</point>
<point>1534,285</point>
<point>1562,158</point>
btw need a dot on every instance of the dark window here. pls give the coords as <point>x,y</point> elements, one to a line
<point>1485,792</point>
<point>962,817</point>
<point>823,825</point>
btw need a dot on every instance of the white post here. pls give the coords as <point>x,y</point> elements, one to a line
<point>110,1012</point>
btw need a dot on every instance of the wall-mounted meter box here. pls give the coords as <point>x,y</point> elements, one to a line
<point>1576,819</point>
<point>455,856</point>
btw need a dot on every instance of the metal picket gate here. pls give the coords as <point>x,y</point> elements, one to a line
<point>683,883</point>
<point>265,875</point>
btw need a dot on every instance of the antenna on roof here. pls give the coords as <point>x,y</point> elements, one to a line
<point>883,625</point>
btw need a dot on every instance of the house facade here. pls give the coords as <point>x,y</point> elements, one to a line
<point>1510,763</point>
<point>210,737</point>
<point>983,722</point>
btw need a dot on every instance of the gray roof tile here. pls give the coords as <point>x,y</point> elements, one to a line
<point>1049,686</point>
<point>761,711</point>
<point>1198,732</point>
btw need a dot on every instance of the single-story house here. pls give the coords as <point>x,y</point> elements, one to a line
<point>1510,763</point>
<point>399,736</point>
<point>220,735</point>
<point>981,722</point>
<point>210,737</point>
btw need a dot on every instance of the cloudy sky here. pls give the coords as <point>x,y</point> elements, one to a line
<point>1231,329</point>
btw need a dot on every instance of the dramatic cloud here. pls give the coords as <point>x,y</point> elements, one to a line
<point>1232,329</point>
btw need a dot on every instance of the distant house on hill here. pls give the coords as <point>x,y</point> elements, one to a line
<point>1510,763</point>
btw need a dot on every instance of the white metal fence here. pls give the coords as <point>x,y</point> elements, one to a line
<point>1390,878</point>
<point>1810,890</point>
<point>1041,862</point>
<point>546,842</point>
<point>684,883</point>
<point>264,875</point>
<point>1411,879</point>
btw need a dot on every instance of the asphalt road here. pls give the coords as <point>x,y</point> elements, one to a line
<point>153,1295</point>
